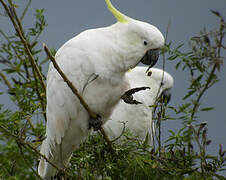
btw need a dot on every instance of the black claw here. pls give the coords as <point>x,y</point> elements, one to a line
<point>95,123</point>
<point>127,97</point>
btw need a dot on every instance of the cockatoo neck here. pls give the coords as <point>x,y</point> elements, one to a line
<point>125,46</point>
<point>121,56</point>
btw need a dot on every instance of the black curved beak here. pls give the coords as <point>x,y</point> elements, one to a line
<point>165,96</point>
<point>151,57</point>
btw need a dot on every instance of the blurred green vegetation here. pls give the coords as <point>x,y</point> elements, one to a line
<point>22,128</point>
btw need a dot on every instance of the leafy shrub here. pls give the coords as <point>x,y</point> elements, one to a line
<point>22,127</point>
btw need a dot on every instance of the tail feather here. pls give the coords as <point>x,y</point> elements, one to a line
<point>59,155</point>
<point>45,169</point>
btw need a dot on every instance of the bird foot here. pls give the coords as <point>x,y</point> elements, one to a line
<point>127,97</point>
<point>95,123</point>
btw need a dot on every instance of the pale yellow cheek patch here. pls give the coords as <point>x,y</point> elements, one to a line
<point>130,70</point>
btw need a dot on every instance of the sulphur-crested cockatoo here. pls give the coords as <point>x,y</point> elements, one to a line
<point>137,118</point>
<point>95,61</point>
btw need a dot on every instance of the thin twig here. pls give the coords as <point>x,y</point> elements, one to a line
<point>27,145</point>
<point>25,10</point>
<point>162,78</point>
<point>196,105</point>
<point>27,163</point>
<point>19,29</point>
<point>4,169</point>
<point>20,33</point>
<point>107,139</point>
<point>123,130</point>
<point>201,149</point>
<point>4,35</point>
<point>28,118</point>
<point>43,104</point>
<point>24,64</point>
<point>164,60</point>
<point>4,78</point>
<point>14,14</point>
<point>208,82</point>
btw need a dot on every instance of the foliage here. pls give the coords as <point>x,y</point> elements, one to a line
<point>22,126</point>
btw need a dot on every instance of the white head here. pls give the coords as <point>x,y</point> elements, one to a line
<point>159,81</point>
<point>140,39</point>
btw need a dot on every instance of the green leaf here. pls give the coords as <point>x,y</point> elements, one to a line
<point>207,109</point>
<point>173,57</point>
<point>9,71</point>
<point>189,94</point>
<point>178,64</point>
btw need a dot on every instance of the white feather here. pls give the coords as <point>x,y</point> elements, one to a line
<point>138,118</point>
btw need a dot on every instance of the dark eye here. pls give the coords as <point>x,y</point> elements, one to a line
<point>145,43</point>
<point>149,73</point>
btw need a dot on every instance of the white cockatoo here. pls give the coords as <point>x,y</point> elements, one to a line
<point>95,61</point>
<point>137,118</point>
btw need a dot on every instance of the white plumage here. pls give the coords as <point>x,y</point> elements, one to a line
<point>106,53</point>
<point>138,118</point>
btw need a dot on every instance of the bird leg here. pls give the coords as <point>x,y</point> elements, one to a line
<point>127,97</point>
<point>95,123</point>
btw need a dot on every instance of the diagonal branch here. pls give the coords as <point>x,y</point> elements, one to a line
<point>18,27</point>
<point>25,10</point>
<point>6,81</point>
<point>11,12</point>
<point>75,91</point>
<point>69,83</point>
<point>26,145</point>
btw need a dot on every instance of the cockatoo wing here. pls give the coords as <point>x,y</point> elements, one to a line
<point>64,112</point>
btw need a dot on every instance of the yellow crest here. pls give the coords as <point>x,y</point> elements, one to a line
<point>118,15</point>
